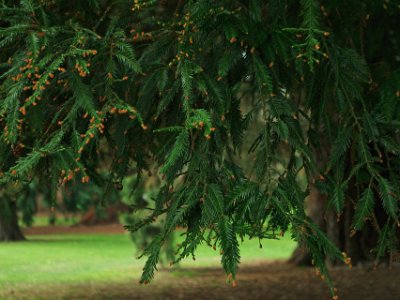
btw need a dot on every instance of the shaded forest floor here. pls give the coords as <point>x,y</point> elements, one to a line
<point>256,280</point>
<point>265,281</point>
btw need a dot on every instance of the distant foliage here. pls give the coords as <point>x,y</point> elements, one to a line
<point>180,87</point>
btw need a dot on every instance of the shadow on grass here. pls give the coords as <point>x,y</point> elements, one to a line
<point>266,281</point>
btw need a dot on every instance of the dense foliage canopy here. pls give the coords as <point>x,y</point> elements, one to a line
<point>240,106</point>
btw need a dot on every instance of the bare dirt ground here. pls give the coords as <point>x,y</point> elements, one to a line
<point>267,281</point>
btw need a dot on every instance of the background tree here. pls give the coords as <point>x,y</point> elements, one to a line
<point>9,227</point>
<point>179,87</point>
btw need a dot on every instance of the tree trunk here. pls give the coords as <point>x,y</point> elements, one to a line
<point>315,205</point>
<point>101,216</point>
<point>9,227</point>
<point>357,246</point>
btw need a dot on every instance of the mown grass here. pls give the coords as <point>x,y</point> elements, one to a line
<point>93,258</point>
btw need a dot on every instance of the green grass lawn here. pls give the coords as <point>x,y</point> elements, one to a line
<point>69,259</point>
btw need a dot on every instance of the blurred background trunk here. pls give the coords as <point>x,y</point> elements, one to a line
<point>357,245</point>
<point>9,227</point>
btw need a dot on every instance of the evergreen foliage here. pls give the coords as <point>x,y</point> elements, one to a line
<point>229,101</point>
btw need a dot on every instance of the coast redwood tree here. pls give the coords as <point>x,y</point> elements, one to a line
<point>245,108</point>
<point>9,228</point>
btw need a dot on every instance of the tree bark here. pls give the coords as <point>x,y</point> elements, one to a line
<point>315,205</point>
<point>9,227</point>
<point>109,215</point>
<point>357,246</point>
